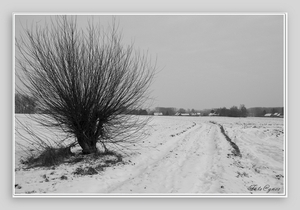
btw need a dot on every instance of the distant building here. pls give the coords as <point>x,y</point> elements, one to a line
<point>277,114</point>
<point>273,115</point>
<point>185,114</point>
<point>213,114</point>
<point>158,113</point>
<point>196,114</point>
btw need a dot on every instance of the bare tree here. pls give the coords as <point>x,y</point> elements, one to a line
<point>85,80</point>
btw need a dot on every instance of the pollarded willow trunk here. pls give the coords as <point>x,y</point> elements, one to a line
<point>88,144</point>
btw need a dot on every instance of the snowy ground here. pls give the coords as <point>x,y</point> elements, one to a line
<point>180,156</point>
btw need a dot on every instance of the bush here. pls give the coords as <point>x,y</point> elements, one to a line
<point>49,157</point>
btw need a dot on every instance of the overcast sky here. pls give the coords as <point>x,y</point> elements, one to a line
<point>205,61</point>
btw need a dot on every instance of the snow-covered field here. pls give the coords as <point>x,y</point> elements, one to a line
<point>179,156</point>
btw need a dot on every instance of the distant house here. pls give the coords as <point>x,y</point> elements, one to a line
<point>185,114</point>
<point>277,114</point>
<point>213,114</point>
<point>158,113</point>
<point>181,114</point>
<point>195,114</point>
<point>273,115</point>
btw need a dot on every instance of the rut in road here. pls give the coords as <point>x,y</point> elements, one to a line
<point>193,165</point>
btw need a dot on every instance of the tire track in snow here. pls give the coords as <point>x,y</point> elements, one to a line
<point>192,166</point>
<point>261,164</point>
<point>236,151</point>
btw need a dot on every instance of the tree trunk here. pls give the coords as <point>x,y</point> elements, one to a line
<point>88,145</point>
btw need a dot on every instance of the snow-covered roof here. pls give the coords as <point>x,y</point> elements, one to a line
<point>213,114</point>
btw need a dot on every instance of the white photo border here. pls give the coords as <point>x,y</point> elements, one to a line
<point>160,195</point>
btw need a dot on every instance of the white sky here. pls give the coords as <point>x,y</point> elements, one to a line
<point>206,61</point>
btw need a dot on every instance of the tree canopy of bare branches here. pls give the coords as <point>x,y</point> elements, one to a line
<point>85,81</point>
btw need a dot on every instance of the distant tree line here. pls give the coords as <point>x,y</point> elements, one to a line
<point>138,112</point>
<point>24,104</point>
<point>234,111</point>
<point>166,110</point>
